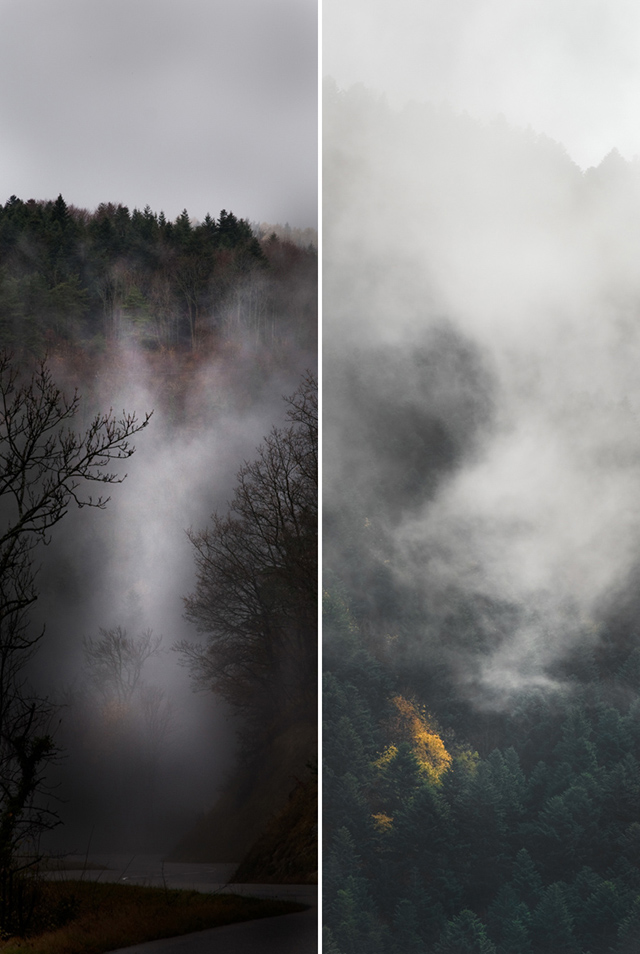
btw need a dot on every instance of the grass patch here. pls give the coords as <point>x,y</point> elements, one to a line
<point>89,917</point>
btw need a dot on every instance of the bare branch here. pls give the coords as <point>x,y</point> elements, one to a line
<point>256,590</point>
<point>45,468</point>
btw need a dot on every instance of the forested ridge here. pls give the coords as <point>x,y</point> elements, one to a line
<point>481,660</point>
<point>450,830</point>
<point>69,274</point>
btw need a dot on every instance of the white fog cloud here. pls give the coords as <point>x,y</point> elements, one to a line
<point>567,68</point>
<point>435,220</point>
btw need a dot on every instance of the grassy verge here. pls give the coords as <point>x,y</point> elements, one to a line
<point>84,917</point>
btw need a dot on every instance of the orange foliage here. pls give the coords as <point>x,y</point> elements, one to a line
<point>412,724</point>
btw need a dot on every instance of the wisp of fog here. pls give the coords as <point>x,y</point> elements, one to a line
<point>482,397</point>
<point>137,773</point>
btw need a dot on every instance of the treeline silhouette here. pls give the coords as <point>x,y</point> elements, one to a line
<point>69,274</point>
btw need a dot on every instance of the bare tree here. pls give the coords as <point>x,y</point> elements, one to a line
<point>45,468</point>
<point>256,589</point>
<point>114,662</point>
<point>129,721</point>
<point>26,748</point>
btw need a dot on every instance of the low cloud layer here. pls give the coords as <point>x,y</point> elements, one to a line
<point>564,67</point>
<point>484,291</point>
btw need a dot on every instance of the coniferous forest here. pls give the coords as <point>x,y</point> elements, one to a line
<point>481,652</point>
<point>454,832</point>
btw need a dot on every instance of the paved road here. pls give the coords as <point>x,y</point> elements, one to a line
<point>286,934</point>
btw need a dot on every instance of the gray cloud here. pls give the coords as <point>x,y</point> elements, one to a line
<point>479,270</point>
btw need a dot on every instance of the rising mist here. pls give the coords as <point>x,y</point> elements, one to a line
<point>213,366</point>
<point>481,388</point>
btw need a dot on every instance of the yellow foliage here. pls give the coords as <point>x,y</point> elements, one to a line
<point>468,760</point>
<point>412,724</point>
<point>386,758</point>
<point>382,822</point>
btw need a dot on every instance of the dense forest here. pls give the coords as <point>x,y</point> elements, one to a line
<point>481,661</point>
<point>452,831</point>
<point>67,274</point>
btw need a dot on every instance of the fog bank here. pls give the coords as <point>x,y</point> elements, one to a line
<point>138,769</point>
<point>481,395</point>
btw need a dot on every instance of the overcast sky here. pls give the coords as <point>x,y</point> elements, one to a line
<point>197,104</point>
<point>568,68</point>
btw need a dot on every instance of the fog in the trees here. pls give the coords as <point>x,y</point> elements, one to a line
<point>137,772</point>
<point>481,387</point>
<point>206,327</point>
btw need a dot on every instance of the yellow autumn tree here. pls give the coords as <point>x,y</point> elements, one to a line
<point>411,723</point>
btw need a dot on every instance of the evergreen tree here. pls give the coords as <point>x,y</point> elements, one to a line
<point>597,907</point>
<point>356,928</point>
<point>567,831</point>
<point>576,748</point>
<point>629,931</point>
<point>422,830</point>
<point>465,934</point>
<point>509,922</point>
<point>525,879</point>
<point>407,938</point>
<point>399,776</point>
<point>552,923</point>
<point>329,945</point>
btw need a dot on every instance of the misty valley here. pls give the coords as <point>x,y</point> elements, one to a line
<point>481,699</point>
<point>158,553</point>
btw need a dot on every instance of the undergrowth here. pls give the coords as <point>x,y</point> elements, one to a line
<point>84,917</point>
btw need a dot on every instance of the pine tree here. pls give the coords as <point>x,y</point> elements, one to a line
<point>465,934</point>
<point>525,879</point>
<point>407,938</point>
<point>629,931</point>
<point>552,924</point>
<point>509,922</point>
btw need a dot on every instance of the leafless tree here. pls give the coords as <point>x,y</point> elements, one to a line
<point>256,590</point>
<point>46,467</point>
<point>131,721</point>
<point>115,660</point>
